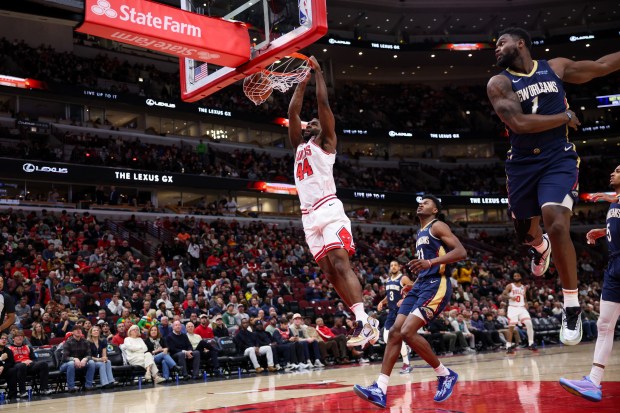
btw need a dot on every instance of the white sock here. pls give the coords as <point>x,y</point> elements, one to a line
<point>571,298</point>
<point>596,375</point>
<point>404,352</point>
<point>442,370</point>
<point>383,382</point>
<point>530,331</point>
<point>360,314</point>
<point>542,247</point>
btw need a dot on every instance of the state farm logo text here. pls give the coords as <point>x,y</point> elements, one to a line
<point>131,15</point>
<point>29,168</point>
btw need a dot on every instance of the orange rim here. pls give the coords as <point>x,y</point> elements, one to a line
<point>293,55</point>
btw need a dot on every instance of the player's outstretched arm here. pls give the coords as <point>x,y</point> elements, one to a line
<point>294,110</point>
<point>605,197</point>
<point>506,104</point>
<point>595,234</point>
<point>582,71</point>
<point>327,137</point>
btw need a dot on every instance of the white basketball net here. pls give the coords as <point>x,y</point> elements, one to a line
<point>280,75</point>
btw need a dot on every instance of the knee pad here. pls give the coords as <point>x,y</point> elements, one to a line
<point>522,228</point>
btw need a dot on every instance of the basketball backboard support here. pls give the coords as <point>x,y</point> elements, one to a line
<point>277,28</point>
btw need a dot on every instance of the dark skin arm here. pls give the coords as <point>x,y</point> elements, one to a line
<point>327,138</point>
<point>585,70</point>
<point>9,320</point>
<point>507,106</point>
<point>294,109</point>
<point>457,251</point>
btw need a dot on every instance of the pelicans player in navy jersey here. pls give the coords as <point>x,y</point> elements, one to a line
<point>326,226</point>
<point>396,287</point>
<point>436,246</point>
<point>542,167</point>
<point>590,387</point>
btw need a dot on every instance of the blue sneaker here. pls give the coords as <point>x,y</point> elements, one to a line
<point>372,394</point>
<point>583,388</point>
<point>445,385</point>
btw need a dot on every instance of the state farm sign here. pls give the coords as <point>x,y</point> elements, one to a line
<point>168,30</point>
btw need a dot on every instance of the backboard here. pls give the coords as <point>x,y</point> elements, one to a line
<point>276,27</point>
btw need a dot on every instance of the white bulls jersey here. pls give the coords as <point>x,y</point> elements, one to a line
<point>314,175</point>
<point>517,296</point>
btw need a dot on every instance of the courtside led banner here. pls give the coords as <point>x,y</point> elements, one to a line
<point>168,30</point>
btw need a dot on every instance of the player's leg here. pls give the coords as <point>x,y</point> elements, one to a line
<point>524,209</point>
<point>557,191</point>
<point>590,386</point>
<point>510,348</point>
<point>525,319</point>
<point>376,392</point>
<point>432,299</point>
<point>404,353</point>
<point>337,246</point>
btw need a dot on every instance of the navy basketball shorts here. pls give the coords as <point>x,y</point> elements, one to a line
<point>539,176</point>
<point>431,296</point>
<point>391,318</point>
<point>611,281</point>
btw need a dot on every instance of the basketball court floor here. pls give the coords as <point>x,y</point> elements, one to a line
<point>494,382</point>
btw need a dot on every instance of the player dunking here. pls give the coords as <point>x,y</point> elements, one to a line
<point>542,167</point>
<point>517,312</point>
<point>590,387</point>
<point>326,226</point>
<point>436,246</point>
<point>396,287</point>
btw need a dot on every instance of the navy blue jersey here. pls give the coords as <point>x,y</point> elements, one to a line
<point>428,247</point>
<point>540,92</point>
<point>393,290</point>
<point>613,230</point>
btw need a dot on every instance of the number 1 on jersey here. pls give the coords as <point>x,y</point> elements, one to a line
<point>303,170</point>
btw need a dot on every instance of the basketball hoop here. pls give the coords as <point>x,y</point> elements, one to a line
<point>280,75</point>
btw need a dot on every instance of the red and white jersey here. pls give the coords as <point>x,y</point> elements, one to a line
<point>314,175</point>
<point>517,296</point>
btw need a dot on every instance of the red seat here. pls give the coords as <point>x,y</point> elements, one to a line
<point>27,332</point>
<point>56,340</point>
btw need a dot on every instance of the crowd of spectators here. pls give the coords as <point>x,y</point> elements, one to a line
<point>218,278</point>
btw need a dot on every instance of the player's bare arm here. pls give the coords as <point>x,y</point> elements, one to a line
<point>604,197</point>
<point>327,137</point>
<point>506,104</point>
<point>407,285</point>
<point>457,251</point>
<point>506,294</point>
<point>595,234</point>
<point>583,71</point>
<point>294,110</point>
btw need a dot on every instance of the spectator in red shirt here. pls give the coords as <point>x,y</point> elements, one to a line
<point>25,364</point>
<point>328,335</point>
<point>204,330</point>
<point>119,337</point>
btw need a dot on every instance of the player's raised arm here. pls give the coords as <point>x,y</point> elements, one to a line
<point>582,71</point>
<point>294,110</point>
<point>327,137</point>
<point>506,104</point>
